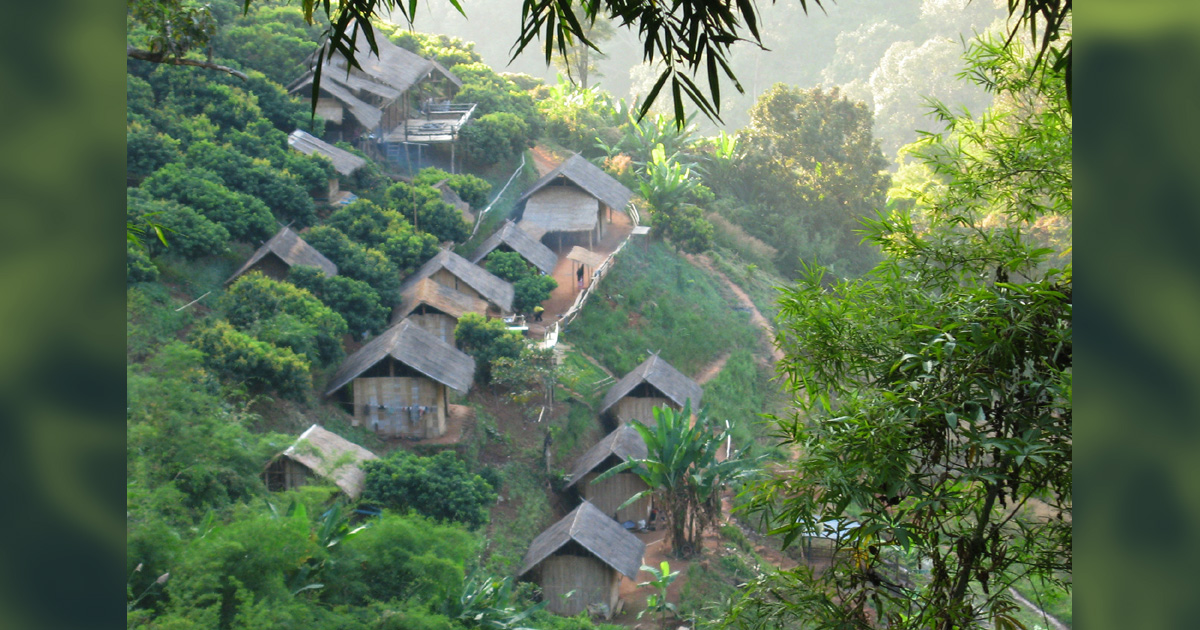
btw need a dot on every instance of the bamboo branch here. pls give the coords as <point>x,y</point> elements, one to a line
<point>146,55</point>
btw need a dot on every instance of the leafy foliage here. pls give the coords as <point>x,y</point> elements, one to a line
<point>284,194</point>
<point>191,234</point>
<point>240,358</point>
<point>243,216</point>
<point>138,267</point>
<point>439,487</point>
<point>486,340</point>
<point>357,261</point>
<point>683,471</point>
<point>387,231</point>
<point>936,392</point>
<point>496,137</point>
<point>354,300</point>
<point>423,207</point>
<point>286,316</point>
<point>473,190</point>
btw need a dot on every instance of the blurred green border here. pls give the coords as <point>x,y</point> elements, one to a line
<point>62,385</point>
<point>1137,90</point>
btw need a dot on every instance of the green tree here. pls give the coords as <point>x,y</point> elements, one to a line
<point>286,316</point>
<point>486,340</point>
<point>354,300</point>
<point>241,359</point>
<point>934,395</point>
<point>358,262</point>
<point>582,57</point>
<point>530,291</point>
<point>424,209</point>
<point>439,487</point>
<point>243,216</point>
<point>473,190</point>
<point>191,234</point>
<point>496,137</point>
<point>683,471</point>
<point>670,189</point>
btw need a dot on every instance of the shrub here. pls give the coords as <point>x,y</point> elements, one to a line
<point>354,300</point>
<point>286,316</point>
<point>246,218</point>
<point>189,234</point>
<point>147,150</point>
<point>236,356</point>
<point>496,137</point>
<point>422,206</point>
<point>439,487</point>
<point>284,194</point>
<point>530,291</point>
<point>473,190</point>
<point>138,267</point>
<point>509,266</point>
<point>357,262</point>
<point>486,340</point>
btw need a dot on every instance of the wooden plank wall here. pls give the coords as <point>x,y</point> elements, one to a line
<point>593,582</point>
<point>630,408</point>
<point>614,491</point>
<point>393,393</point>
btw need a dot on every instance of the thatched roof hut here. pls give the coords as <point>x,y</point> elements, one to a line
<point>588,177</point>
<point>511,237</point>
<point>436,308</point>
<point>586,552</point>
<point>400,381</point>
<point>320,453</point>
<point>653,383</point>
<point>622,445</point>
<point>344,162</point>
<point>460,274</point>
<point>415,348</point>
<point>282,252</point>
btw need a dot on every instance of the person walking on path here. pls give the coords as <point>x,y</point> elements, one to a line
<point>579,277</point>
<point>537,313</point>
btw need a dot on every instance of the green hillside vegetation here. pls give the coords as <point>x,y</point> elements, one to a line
<point>223,375</point>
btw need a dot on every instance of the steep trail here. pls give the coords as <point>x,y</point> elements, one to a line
<point>702,261</point>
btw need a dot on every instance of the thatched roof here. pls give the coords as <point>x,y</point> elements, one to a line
<point>586,256</point>
<point>625,443</point>
<point>521,242</point>
<point>596,532</point>
<point>589,177</point>
<point>663,376</point>
<point>443,298</point>
<point>492,288</point>
<point>332,457</point>
<point>344,161</point>
<point>420,350</point>
<point>561,209</point>
<point>393,67</point>
<point>365,113</point>
<point>291,249</point>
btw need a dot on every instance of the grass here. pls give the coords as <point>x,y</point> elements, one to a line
<point>740,393</point>
<point>524,513</point>
<point>151,319</point>
<point>760,284</point>
<point>502,206</point>
<point>653,300</point>
<point>578,433</point>
<point>708,590</point>
<point>583,378</point>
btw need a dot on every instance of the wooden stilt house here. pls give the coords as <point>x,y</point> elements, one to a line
<point>436,308</point>
<point>282,252</point>
<point>511,238</point>
<point>574,202</point>
<point>400,381</point>
<point>585,554</point>
<point>319,454</point>
<point>651,384</point>
<point>622,445</point>
<point>451,270</point>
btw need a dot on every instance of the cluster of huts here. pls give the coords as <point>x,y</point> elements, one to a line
<point>398,384</point>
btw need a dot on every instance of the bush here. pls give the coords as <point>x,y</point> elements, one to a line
<point>236,356</point>
<point>509,266</point>
<point>439,487</point>
<point>486,340</point>
<point>473,190</point>
<point>286,316</point>
<point>285,195</point>
<point>147,150</point>
<point>188,233</point>
<point>358,262</point>
<point>530,291</point>
<point>354,300</point>
<point>387,231</point>
<point>138,267</point>
<point>246,218</point>
<point>496,137</point>
<point>422,206</point>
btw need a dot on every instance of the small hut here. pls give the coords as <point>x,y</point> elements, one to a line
<point>319,453</point>
<point>451,270</point>
<point>344,162</point>
<point>436,308</point>
<point>399,382</point>
<point>651,384</point>
<point>510,238</point>
<point>584,554</point>
<point>619,446</point>
<point>575,200</point>
<point>285,250</point>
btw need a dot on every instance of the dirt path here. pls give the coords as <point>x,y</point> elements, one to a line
<point>711,370</point>
<point>543,159</point>
<point>704,262</point>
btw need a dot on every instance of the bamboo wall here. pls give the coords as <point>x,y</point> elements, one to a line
<point>285,474</point>
<point>614,491</point>
<point>440,325</point>
<point>396,395</point>
<point>630,408</point>
<point>593,582</point>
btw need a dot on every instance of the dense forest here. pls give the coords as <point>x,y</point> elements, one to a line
<point>866,268</point>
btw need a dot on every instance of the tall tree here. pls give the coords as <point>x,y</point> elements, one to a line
<point>581,61</point>
<point>934,395</point>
